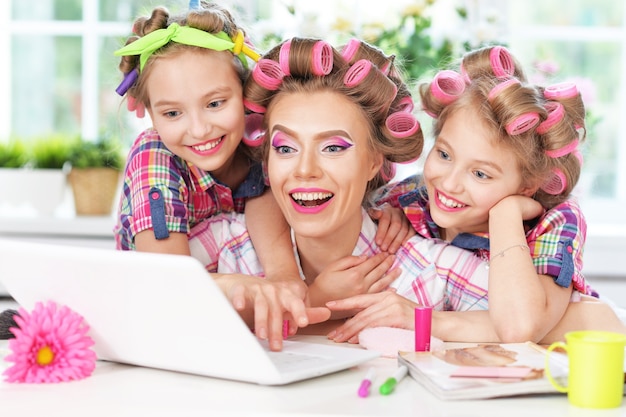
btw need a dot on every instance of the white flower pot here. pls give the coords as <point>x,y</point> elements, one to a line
<point>24,190</point>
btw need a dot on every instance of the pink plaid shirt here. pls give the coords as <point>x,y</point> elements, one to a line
<point>433,273</point>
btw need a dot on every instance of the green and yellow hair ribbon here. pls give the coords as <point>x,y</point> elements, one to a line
<point>150,43</point>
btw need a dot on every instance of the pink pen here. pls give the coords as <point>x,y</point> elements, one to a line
<point>423,320</point>
<point>364,388</point>
<point>285,329</point>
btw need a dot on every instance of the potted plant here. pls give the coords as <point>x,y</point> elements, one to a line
<point>33,175</point>
<point>95,168</point>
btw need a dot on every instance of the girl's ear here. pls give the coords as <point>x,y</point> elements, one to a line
<point>528,191</point>
<point>377,163</point>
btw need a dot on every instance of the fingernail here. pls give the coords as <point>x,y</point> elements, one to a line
<point>331,303</point>
<point>332,334</point>
<point>262,333</point>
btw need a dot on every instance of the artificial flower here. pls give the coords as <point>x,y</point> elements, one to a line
<point>50,345</point>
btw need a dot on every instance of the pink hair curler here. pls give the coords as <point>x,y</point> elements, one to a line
<point>134,106</point>
<point>579,156</point>
<point>267,74</point>
<point>555,115</point>
<point>283,57</point>
<point>498,88</point>
<point>257,108</point>
<point>253,134</point>
<point>406,104</point>
<point>430,113</point>
<point>447,86</point>
<point>556,184</point>
<point>388,171</point>
<point>322,58</point>
<point>522,123</point>
<point>502,62</point>
<point>565,150</point>
<point>350,49</point>
<point>560,91</point>
<point>402,124</point>
<point>357,73</point>
<point>464,74</point>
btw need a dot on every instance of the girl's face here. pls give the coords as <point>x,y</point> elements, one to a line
<point>196,105</point>
<point>466,175</point>
<point>319,162</point>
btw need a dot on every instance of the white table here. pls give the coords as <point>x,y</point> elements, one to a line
<point>121,390</point>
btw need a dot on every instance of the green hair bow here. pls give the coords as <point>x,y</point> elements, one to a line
<point>148,44</point>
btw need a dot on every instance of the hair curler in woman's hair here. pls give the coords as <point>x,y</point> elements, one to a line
<point>447,86</point>
<point>322,60</point>
<point>283,57</point>
<point>560,91</point>
<point>502,62</point>
<point>556,183</point>
<point>253,134</point>
<point>522,123</point>
<point>556,112</point>
<point>402,124</point>
<point>268,74</point>
<point>350,49</point>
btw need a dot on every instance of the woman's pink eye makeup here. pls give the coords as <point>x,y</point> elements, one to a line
<point>341,142</point>
<point>280,139</point>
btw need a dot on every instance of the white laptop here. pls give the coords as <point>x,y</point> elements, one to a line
<point>160,311</point>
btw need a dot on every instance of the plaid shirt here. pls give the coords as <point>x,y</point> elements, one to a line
<point>556,239</point>
<point>163,192</point>
<point>433,273</point>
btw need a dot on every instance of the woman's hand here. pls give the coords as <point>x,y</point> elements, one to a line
<point>393,227</point>
<point>266,304</point>
<point>353,275</point>
<point>386,309</point>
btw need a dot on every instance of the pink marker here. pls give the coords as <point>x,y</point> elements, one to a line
<point>364,388</point>
<point>423,320</point>
<point>285,329</point>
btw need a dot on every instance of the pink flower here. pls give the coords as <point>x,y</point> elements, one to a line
<point>50,345</point>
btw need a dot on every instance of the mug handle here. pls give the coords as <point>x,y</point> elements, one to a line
<point>555,384</point>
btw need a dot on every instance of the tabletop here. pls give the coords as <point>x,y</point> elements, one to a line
<point>123,390</point>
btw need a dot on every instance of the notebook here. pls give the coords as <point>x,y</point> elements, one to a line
<point>160,311</point>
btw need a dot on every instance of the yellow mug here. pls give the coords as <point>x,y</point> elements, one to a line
<point>596,368</point>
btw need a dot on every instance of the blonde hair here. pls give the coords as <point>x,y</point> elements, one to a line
<point>360,72</point>
<point>542,126</point>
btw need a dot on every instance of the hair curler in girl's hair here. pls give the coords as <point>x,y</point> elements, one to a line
<point>522,123</point>
<point>138,107</point>
<point>502,62</point>
<point>498,88</point>
<point>253,134</point>
<point>257,108</point>
<point>556,183</point>
<point>268,74</point>
<point>402,124</point>
<point>447,86</point>
<point>555,115</point>
<point>560,91</point>
<point>565,150</point>
<point>406,104</point>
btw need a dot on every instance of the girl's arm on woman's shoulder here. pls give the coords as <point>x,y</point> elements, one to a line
<point>271,237</point>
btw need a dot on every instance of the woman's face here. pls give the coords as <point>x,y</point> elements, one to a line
<point>319,162</point>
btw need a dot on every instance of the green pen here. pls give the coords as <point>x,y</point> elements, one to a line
<point>387,387</point>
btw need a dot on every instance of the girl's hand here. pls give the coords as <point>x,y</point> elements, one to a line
<point>353,275</point>
<point>393,227</point>
<point>527,207</point>
<point>269,304</point>
<point>376,310</point>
